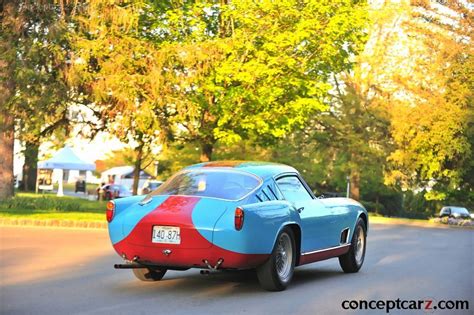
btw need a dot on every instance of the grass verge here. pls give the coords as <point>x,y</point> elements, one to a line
<point>50,207</point>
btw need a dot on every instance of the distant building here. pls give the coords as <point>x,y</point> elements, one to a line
<point>123,175</point>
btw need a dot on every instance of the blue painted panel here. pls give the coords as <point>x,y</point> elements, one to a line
<point>262,222</point>
<point>206,213</point>
<point>348,210</point>
<point>319,226</point>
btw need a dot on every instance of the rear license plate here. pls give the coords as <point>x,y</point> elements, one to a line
<point>166,235</point>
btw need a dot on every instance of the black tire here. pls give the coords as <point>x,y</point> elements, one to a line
<point>145,274</point>
<point>269,277</point>
<point>352,261</point>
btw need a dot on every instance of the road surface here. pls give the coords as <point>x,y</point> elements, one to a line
<point>66,271</point>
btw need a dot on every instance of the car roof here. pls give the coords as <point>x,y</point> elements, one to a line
<point>454,207</point>
<point>263,170</point>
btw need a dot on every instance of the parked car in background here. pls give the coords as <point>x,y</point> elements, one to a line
<point>236,215</point>
<point>148,186</point>
<point>455,212</point>
<point>113,191</point>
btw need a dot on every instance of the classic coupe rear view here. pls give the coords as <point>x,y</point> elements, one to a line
<point>236,215</point>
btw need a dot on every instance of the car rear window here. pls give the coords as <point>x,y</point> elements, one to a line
<point>223,184</point>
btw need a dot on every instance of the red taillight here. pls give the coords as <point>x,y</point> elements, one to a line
<point>239,218</point>
<point>109,212</point>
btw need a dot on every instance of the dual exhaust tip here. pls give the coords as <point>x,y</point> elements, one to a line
<point>210,267</point>
<point>134,264</point>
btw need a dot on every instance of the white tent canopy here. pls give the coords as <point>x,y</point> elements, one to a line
<point>66,159</point>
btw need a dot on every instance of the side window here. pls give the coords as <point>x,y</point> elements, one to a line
<point>262,196</point>
<point>267,194</point>
<point>292,189</point>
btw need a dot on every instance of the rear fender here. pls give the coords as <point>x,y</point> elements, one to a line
<point>116,231</point>
<point>262,223</point>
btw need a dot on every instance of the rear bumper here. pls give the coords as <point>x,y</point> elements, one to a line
<point>188,258</point>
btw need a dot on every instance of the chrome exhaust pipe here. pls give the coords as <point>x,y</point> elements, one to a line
<point>208,265</point>
<point>128,266</point>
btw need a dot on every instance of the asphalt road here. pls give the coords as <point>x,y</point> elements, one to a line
<point>65,271</point>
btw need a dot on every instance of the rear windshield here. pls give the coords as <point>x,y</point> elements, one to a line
<point>223,184</point>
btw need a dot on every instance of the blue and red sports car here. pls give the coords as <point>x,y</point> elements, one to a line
<point>236,215</point>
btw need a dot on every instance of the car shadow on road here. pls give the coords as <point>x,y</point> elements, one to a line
<point>222,284</point>
<point>314,274</point>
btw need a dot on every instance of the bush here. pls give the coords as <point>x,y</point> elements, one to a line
<point>32,202</point>
<point>415,206</point>
<point>374,207</point>
<point>384,201</point>
<point>452,221</point>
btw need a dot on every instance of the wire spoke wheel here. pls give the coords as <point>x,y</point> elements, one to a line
<point>284,256</point>
<point>359,245</point>
<point>352,260</point>
<point>276,273</point>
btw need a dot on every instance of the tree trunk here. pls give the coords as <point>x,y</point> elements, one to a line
<point>138,168</point>
<point>30,166</point>
<point>206,152</point>
<point>355,184</point>
<point>377,203</point>
<point>7,88</point>
<point>7,131</point>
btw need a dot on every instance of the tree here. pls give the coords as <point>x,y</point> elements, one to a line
<point>349,138</point>
<point>7,87</point>
<point>238,70</point>
<point>113,63</point>
<point>405,100</point>
<point>34,48</point>
<point>431,108</point>
<point>213,71</point>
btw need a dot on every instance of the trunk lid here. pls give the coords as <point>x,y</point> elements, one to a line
<point>194,216</point>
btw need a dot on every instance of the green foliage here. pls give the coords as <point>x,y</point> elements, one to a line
<point>34,57</point>
<point>285,81</point>
<point>115,65</point>
<point>37,52</point>
<point>251,70</point>
<point>26,203</point>
<point>377,208</point>
<point>108,46</point>
<point>175,157</point>
<point>416,205</point>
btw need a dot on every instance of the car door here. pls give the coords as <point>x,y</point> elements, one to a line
<point>317,220</point>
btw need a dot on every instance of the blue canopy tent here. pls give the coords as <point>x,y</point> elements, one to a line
<point>65,159</point>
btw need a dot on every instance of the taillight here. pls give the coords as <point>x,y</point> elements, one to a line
<point>239,218</point>
<point>109,212</point>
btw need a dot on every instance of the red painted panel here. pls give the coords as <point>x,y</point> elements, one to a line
<point>322,255</point>
<point>174,211</point>
<point>223,164</point>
